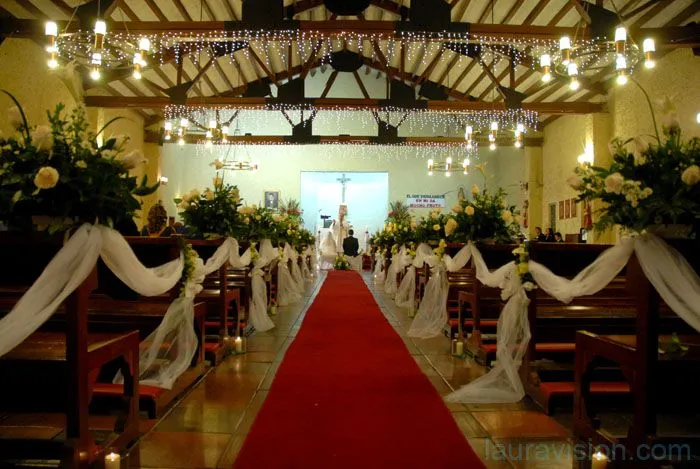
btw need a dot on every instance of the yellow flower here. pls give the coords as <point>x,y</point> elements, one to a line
<point>443,244</point>
<point>691,175</point>
<point>507,216</point>
<point>523,268</point>
<point>475,189</point>
<point>258,217</point>
<point>519,250</point>
<point>209,194</point>
<point>46,178</point>
<point>436,227</point>
<point>81,164</point>
<point>218,181</point>
<point>450,227</point>
<point>246,220</point>
<point>457,208</point>
<point>469,210</point>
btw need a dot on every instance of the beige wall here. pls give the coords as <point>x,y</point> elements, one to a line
<point>24,74</point>
<point>675,76</point>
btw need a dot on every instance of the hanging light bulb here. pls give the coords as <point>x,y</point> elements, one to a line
<point>572,69</point>
<point>212,124</point>
<point>184,123</point>
<point>96,59</point>
<point>649,48</point>
<point>448,164</point>
<point>100,32</point>
<point>181,141</point>
<point>430,167</point>
<point>51,31</point>
<point>168,130</point>
<point>546,64</point>
<point>137,66</point>
<point>465,165</point>
<point>492,139</point>
<point>468,133</point>
<point>621,67</point>
<point>492,146</point>
<point>224,130</point>
<point>620,40</point>
<point>494,131</point>
<point>565,49</point>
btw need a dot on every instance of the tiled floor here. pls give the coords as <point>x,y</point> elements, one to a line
<point>207,428</point>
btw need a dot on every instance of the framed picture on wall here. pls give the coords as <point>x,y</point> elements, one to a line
<point>573,208</point>
<point>561,209</point>
<point>272,200</point>
<point>567,208</point>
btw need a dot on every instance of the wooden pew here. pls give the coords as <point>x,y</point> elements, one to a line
<point>644,368</point>
<point>56,371</point>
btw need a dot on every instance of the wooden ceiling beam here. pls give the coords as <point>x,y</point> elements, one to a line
<point>61,5</point>
<point>157,102</point>
<point>208,10</point>
<point>222,75</point>
<point>229,9</point>
<point>31,9</point>
<point>429,69</point>
<point>463,75</point>
<point>125,9</point>
<point>495,83</point>
<point>451,64</point>
<point>687,12</point>
<point>535,12</point>
<point>462,10</point>
<point>183,11</point>
<point>329,83</point>
<point>581,11</point>
<point>358,79</point>
<point>156,11</point>
<point>264,67</point>
<point>639,9</point>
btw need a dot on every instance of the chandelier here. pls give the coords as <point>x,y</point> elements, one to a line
<point>447,166</point>
<point>232,163</point>
<point>573,60</point>
<point>518,133</point>
<point>90,49</point>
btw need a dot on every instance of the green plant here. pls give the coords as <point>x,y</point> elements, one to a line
<point>398,213</point>
<point>212,211</point>
<point>258,223</point>
<point>484,216</point>
<point>60,171</point>
<point>522,263</point>
<point>291,207</point>
<point>341,263</point>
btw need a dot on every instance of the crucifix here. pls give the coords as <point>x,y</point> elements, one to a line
<point>343,181</point>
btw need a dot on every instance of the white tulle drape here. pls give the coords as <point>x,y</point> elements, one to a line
<point>378,275</point>
<point>406,293</point>
<point>165,353</point>
<point>287,287</point>
<point>258,303</point>
<point>432,312</point>
<point>355,262</point>
<point>399,261</point>
<point>328,251</point>
<point>673,278</point>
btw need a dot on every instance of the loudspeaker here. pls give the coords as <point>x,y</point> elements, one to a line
<point>347,7</point>
<point>291,92</point>
<point>345,61</point>
<point>263,11</point>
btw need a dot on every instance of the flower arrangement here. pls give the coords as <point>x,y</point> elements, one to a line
<point>341,263</point>
<point>257,223</point>
<point>431,229</point>
<point>60,171</point>
<point>440,249</point>
<point>292,208</point>
<point>212,212</point>
<point>646,184</point>
<point>522,263</point>
<point>398,213</point>
<point>485,216</point>
<point>192,273</point>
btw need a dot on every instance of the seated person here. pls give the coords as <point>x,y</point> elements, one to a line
<point>351,246</point>
<point>558,238</point>
<point>157,223</point>
<point>550,236</point>
<point>539,236</point>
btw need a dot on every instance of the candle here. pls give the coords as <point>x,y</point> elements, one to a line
<point>599,461</point>
<point>239,345</point>
<point>113,461</point>
<point>460,347</point>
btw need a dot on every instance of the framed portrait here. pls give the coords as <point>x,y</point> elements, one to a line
<point>567,208</point>
<point>272,200</point>
<point>561,209</point>
<point>573,208</point>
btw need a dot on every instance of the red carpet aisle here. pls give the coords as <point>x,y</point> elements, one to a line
<point>349,395</point>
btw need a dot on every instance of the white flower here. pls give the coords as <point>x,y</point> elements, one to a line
<point>575,182</point>
<point>191,195</point>
<point>119,141</point>
<point>640,159</point>
<point>183,205</point>
<point>277,217</point>
<point>507,216</point>
<point>457,208</point>
<point>691,175</point>
<point>109,154</point>
<point>529,286</point>
<point>475,189</point>
<point>15,117</point>
<point>81,164</point>
<point>640,145</point>
<point>133,159</point>
<point>469,210</point>
<point>246,220</point>
<point>450,227</point>
<point>42,138</point>
<point>436,227</point>
<point>46,178</point>
<point>614,182</point>
<point>217,164</point>
<point>671,120</point>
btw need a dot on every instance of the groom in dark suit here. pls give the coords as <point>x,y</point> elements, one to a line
<point>351,245</point>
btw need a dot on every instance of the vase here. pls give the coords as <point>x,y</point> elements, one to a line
<point>671,231</point>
